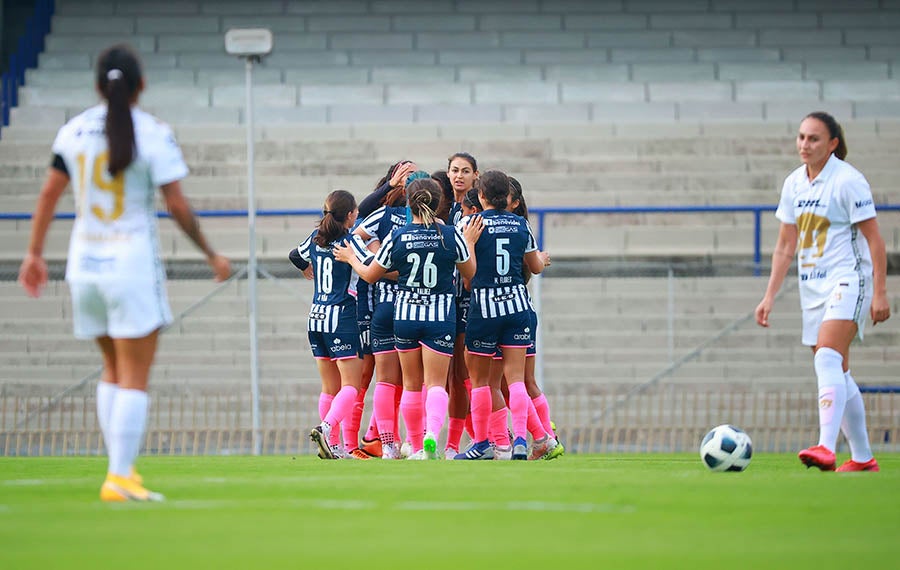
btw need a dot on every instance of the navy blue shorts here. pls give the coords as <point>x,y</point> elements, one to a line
<point>382,329</point>
<point>365,333</point>
<point>343,343</point>
<point>436,336</point>
<point>485,336</point>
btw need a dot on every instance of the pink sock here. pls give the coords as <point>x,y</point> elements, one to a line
<point>518,406</point>
<point>534,423</point>
<point>350,424</point>
<point>543,411</point>
<point>499,428</point>
<point>481,412</point>
<point>454,432</point>
<point>384,413</point>
<point>324,404</point>
<point>372,432</point>
<point>341,406</point>
<point>398,395</point>
<point>436,409</point>
<point>470,431</point>
<point>411,409</point>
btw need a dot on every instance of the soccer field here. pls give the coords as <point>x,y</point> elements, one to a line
<point>618,511</point>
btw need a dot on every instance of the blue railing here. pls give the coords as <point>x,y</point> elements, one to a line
<point>539,213</point>
<point>37,26</point>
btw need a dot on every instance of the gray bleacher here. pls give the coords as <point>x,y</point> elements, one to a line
<point>587,103</point>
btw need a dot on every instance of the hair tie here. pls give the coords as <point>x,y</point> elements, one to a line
<point>114,73</point>
<point>326,212</point>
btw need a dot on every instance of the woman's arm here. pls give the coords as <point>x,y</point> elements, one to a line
<point>371,272</point>
<point>782,257</point>
<point>181,212</point>
<point>33,271</point>
<point>881,307</point>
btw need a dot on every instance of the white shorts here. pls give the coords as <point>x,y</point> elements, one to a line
<point>847,302</point>
<point>119,309</point>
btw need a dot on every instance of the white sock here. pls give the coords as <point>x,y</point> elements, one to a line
<point>126,429</point>
<point>106,394</point>
<point>832,394</point>
<point>854,424</point>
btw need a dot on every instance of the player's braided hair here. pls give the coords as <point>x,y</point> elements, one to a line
<point>118,81</point>
<point>338,205</point>
<point>423,196</point>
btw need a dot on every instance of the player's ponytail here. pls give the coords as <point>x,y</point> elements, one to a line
<point>119,78</point>
<point>423,195</point>
<point>338,206</point>
<point>835,131</point>
<point>515,195</point>
<point>495,187</point>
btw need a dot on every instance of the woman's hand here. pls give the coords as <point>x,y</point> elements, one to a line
<point>33,275</point>
<point>881,308</point>
<point>220,265</point>
<point>342,252</point>
<point>473,230</point>
<point>398,180</point>
<point>762,312</point>
<point>545,258</point>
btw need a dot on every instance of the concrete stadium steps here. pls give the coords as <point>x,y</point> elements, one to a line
<point>629,61</point>
<point>608,330</point>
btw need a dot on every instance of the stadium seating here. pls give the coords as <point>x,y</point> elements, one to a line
<point>588,103</point>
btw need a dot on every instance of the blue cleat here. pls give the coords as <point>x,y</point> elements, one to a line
<point>520,449</point>
<point>479,450</point>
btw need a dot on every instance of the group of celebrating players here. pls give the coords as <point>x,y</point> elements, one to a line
<point>423,287</point>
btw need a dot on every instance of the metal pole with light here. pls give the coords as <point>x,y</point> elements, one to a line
<point>251,44</point>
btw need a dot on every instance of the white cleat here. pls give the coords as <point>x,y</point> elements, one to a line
<point>418,456</point>
<point>503,453</point>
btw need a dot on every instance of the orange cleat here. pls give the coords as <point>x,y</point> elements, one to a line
<point>121,489</point>
<point>818,456</point>
<point>359,454</point>
<point>850,465</point>
<point>371,447</point>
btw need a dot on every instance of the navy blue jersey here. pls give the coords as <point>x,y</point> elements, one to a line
<point>425,257</point>
<point>333,279</point>
<point>455,213</point>
<point>501,248</point>
<point>379,224</point>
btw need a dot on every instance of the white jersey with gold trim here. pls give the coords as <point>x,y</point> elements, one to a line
<point>830,247</point>
<point>115,235</point>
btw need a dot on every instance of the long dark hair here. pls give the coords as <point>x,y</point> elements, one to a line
<point>423,196</point>
<point>338,205</point>
<point>471,200</point>
<point>835,131</point>
<point>465,156</point>
<point>495,187</point>
<point>515,194</point>
<point>119,78</point>
<point>447,197</point>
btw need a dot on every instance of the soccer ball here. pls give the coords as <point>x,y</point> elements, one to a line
<point>726,448</point>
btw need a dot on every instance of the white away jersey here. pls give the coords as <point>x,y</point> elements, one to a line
<point>115,235</point>
<point>829,247</point>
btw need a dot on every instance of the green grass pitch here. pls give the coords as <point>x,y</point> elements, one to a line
<point>582,511</point>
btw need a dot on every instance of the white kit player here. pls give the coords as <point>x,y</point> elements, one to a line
<point>115,156</point>
<point>828,218</point>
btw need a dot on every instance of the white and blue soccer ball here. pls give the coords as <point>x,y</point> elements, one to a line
<point>726,448</point>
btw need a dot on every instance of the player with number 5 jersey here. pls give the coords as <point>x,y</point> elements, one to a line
<point>425,254</point>
<point>499,313</point>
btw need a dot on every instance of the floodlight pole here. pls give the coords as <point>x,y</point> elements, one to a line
<point>252,270</point>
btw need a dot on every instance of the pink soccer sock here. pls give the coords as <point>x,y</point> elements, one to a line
<point>384,413</point>
<point>454,432</point>
<point>324,404</point>
<point>398,395</point>
<point>535,428</point>
<point>411,409</point>
<point>542,406</point>
<point>372,432</point>
<point>518,406</point>
<point>499,428</point>
<point>341,406</point>
<point>436,409</point>
<point>350,424</point>
<point>468,425</point>
<point>481,412</point>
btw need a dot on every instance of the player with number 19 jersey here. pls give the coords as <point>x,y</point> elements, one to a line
<point>332,326</point>
<point>498,314</point>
